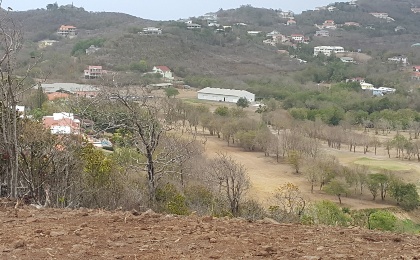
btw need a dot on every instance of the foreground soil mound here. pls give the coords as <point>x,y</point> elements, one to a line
<point>30,233</point>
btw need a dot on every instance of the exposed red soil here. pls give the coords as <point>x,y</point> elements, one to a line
<point>30,233</point>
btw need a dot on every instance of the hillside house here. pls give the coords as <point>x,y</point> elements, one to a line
<point>254,33</point>
<point>46,43</point>
<point>331,8</point>
<point>164,71</point>
<point>355,24</point>
<point>151,31</point>
<point>399,28</point>
<point>322,33</point>
<point>62,123</point>
<point>328,50</point>
<point>286,14</point>
<point>224,95</point>
<point>347,59</point>
<point>329,24</point>
<point>366,86</point>
<point>67,31</point>
<point>94,72</point>
<point>291,22</point>
<point>193,26</point>
<point>383,16</point>
<point>403,60</point>
<point>357,79</point>
<point>415,10</point>
<point>297,38</point>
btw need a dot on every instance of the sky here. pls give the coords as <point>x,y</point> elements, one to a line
<point>167,9</point>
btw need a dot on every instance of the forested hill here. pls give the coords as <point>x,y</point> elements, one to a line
<point>230,52</point>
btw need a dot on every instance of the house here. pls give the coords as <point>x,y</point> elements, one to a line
<point>92,49</point>
<point>403,60</point>
<point>164,71</point>
<point>213,24</point>
<point>383,16</point>
<point>416,68</point>
<point>415,10</point>
<point>347,59</point>
<point>329,24</point>
<point>193,26</point>
<point>241,24</point>
<point>62,123</point>
<point>298,38</point>
<point>151,31</point>
<point>331,8</point>
<point>275,37</point>
<point>399,28</point>
<point>254,33</point>
<point>225,95</point>
<point>67,31</point>
<point>291,22</point>
<point>70,88</point>
<point>353,2</point>
<point>322,33</point>
<point>357,79</point>
<point>364,85</point>
<point>209,16</point>
<point>94,72</point>
<point>328,50</point>
<point>286,14</point>
<point>46,43</point>
<point>351,24</point>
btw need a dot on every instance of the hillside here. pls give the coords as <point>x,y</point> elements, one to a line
<point>206,52</point>
<point>98,234</point>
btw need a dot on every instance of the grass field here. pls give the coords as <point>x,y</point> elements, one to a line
<point>382,164</point>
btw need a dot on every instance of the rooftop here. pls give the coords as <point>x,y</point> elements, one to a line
<point>227,92</point>
<point>70,87</point>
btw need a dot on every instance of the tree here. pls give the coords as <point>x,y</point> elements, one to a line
<point>222,111</point>
<point>171,92</point>
<point>231,178</point>
<point>328,213</point>
<point>53,6</point>
<point>336,188</point>
<point>242,102</point>
<point>295,159</point>
<point>11,89</point>
<point>405,194</point>
<point>290,200</point>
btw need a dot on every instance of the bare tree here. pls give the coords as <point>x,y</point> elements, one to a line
<point>231,179</point>
<point>11,89</point>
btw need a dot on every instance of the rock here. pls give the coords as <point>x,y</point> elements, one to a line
<point>83,225</point>
<point>135,212</point>
<point>213,240</point>
<point>31,220</point>
<point>58,233</point>
<point>270,221</point>
<point>19,244</point>
<point>269,249</point>
<point>311,257</point>
<point>320,248</point>
<point>207,219</point>
<point>38,231</point>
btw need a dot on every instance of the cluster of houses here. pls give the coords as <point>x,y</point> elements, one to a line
<point>381,91</point>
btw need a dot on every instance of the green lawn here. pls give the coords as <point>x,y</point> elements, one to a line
<point>382,165</point>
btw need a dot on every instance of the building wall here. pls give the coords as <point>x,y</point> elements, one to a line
<point>224,98</point>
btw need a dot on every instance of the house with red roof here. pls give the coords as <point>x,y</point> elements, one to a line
<point>62,123</point>
<point>67,31</point>
<point>164,71</point>
<point>94,72</point>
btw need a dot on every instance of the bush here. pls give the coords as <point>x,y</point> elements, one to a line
<point>171,201</point>
<point>382,220</point>
<point>252,210</point>
<point>328,213</point>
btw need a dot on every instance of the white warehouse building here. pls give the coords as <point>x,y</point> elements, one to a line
<point>225,95</point>
<point>327,50</point>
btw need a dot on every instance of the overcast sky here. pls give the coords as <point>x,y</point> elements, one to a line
<point>167,9</point>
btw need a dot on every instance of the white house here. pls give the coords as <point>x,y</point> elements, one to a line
<point>322,33</point>
<point>328,50</point>
<point>151,31</point>
<point>62,123</point>
<point>164,71</point>
<point>347,59</point>
<point>193,26</point>
<point>254,33</point>
<point>403,60</point>
<point>225,95</point>
<point>365,85</point>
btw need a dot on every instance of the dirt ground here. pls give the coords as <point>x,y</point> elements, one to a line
<point>29,233</point>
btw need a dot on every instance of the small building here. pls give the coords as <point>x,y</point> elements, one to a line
<point>291,22</point>
<point>399,28</point>
<point>328,50</point>
<point>67,31</point>
<point>347,59</point>
<point>286,14</point>
<point>354,24</point>
<point>254,33</point>
<point>364,85</point>
<point>193,26</point>
<point>62,123</point>
<point>384,16</point>
<point>322,33</point>
<point>151,31</point>
<point>94,72</point>
<point>415,10</point>
<point>403,60</point>
<point>331,8</point>
<point>329,24</point>
<point>297,38</point>
<point>164,71</point>
<point>225,95</point>
<point>46,43</point>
